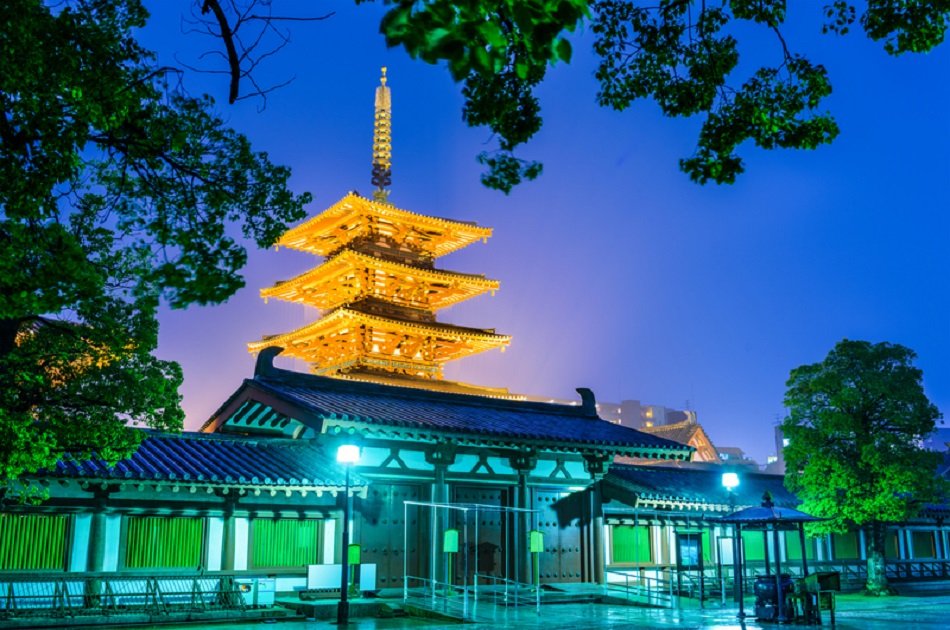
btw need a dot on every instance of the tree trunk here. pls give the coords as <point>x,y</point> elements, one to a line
<point>877,577</point>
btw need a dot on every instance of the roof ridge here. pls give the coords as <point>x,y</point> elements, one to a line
<point>277,376</point>
<point>255,440</point>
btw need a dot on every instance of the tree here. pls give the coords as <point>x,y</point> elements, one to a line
<point>117,190</point>
<point>682,54</point>
<point>854,426</point>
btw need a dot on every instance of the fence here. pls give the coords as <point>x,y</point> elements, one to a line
<point>77,594</point>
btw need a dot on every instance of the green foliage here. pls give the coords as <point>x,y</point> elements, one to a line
<point>117,189</point>
<point>500,51</point>
<point>854,424</point>
<point>679,53</point>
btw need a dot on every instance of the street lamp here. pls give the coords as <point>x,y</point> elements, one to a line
<point>346,454</point>
<point>730,481</point>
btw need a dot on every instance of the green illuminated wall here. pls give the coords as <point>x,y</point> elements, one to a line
<point>846,546</point>
<point>284,543</point>
<point>793,546</point>
<point>631,544</point>
<point>157,542</point>
<point>32,541</point>
<point>753,547</point>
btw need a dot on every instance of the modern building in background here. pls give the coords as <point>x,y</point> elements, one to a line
<point>636,415</point>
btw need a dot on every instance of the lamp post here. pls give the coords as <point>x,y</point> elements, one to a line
<point>346,454</point>
<point>730,481</point>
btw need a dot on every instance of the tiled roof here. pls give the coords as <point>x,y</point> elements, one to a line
<point>458,414</point>
<point>202,458</point>
<point>681,432</point>
<point>699,485</point>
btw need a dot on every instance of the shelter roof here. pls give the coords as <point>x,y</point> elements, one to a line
<point>327,402</point>
<point>766,514</point>
<point>201,458</point>
<point>702,486</point>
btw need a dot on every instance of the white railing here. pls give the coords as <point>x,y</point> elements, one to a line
<point>652,587</point>
<point>498,590</point>
<point>441,597</point>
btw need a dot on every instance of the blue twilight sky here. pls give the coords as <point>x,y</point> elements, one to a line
<point>617,272</point>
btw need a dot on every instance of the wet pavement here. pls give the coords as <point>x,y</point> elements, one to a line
<point>855,612</point>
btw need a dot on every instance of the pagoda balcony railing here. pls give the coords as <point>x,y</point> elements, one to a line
<point>62,595</point>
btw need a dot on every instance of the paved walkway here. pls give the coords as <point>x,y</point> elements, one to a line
<point>855,612</point>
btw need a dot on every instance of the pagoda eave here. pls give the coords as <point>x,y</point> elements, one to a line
<point>355,216</point>
<point>350,276</point>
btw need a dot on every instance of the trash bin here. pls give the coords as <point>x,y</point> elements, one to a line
<point>766,602</point>
<point>828,580</point>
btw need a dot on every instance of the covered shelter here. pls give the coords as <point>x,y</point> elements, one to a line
<point>769,518</point>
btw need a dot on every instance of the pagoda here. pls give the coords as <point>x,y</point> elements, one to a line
<point>378,288</point>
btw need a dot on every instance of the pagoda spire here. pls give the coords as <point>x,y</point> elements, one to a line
<point>382,141</point>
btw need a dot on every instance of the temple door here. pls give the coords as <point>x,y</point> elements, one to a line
<point>561,560</point>
<point>382,528</point>
<point>487,552</point>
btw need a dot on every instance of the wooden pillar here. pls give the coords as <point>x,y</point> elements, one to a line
<point>597,524</point>
<point>523,463</point>
<point>779,595</point>
<point>801,540</point>
<point>227,537</point>
<point>520,539</point>
<point>440,457</point>
<point>596,465</point>
<point>96,559</point>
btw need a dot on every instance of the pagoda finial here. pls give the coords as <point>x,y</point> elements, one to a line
<point>382,141</point>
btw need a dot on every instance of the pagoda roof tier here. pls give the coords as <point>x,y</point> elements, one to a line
<point>350,276</point>
<point>354,217</point>
<point>346,339</point>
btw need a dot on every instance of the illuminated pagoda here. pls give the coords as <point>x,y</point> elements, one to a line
<point>378,288</point>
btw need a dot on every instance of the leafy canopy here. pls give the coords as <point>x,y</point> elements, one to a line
<point>854,425</point>
<point>683,54</point>
<point>117,190</point>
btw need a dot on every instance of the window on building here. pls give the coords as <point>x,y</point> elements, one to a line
<point>923,544</point>
<point>284,543</point>
<point>793,546</point>
<point>158,542</point>
<point>33,541</point>
<point>846,546</point>
<point>753,546</point>
<point>891,547</point>
<point>631,544</point>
